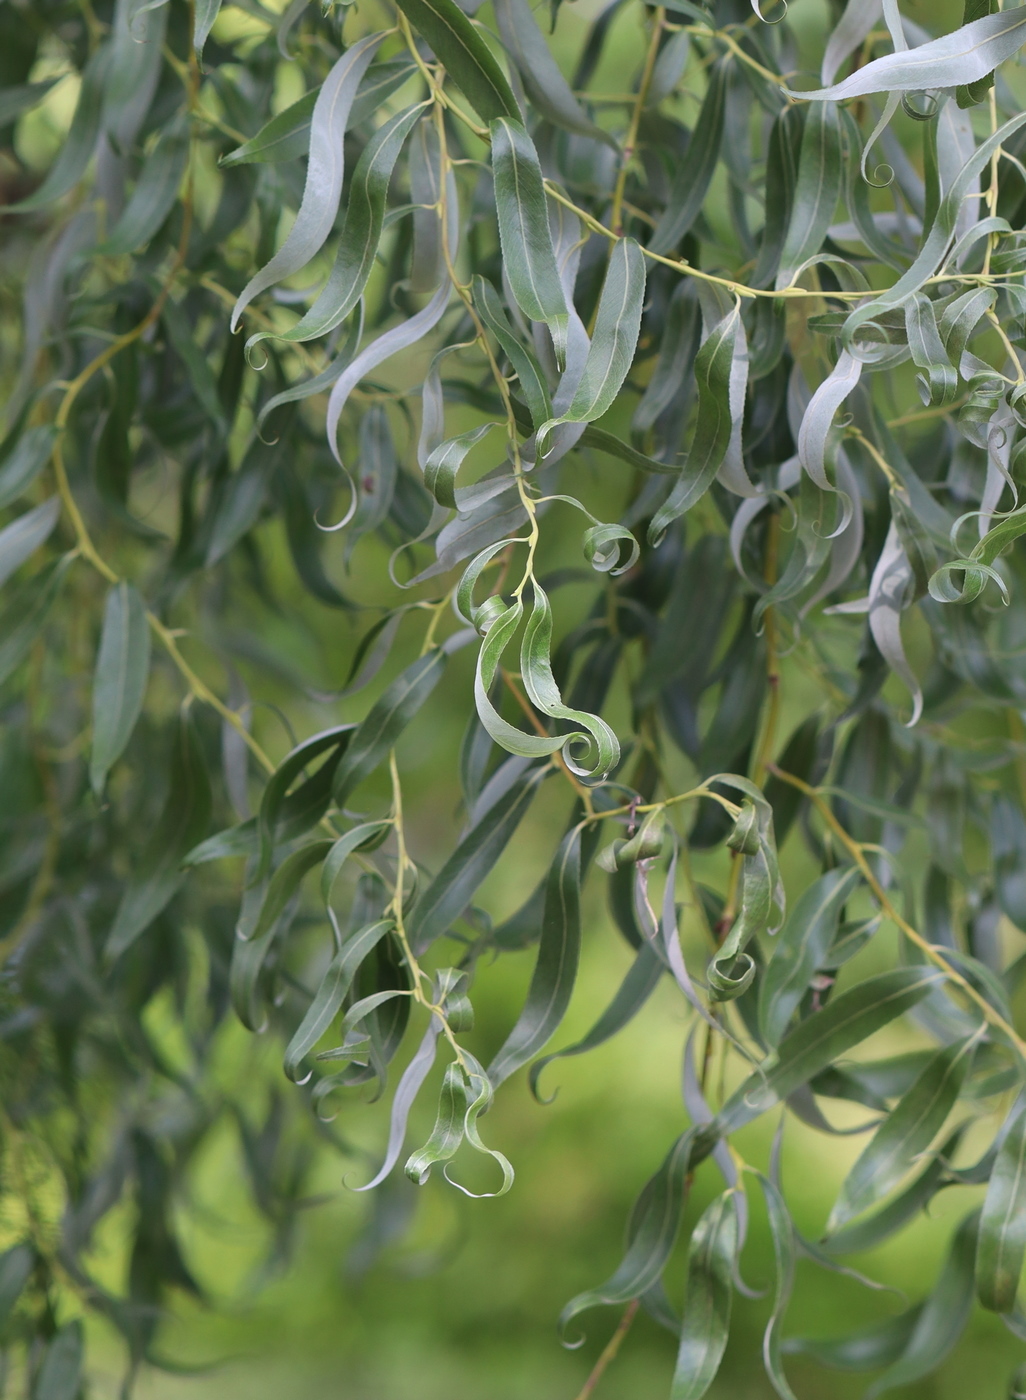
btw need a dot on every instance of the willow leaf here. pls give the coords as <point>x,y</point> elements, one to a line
<point>653,1234</point>
<point>943,1315</point>
<point>27,611</point>
<point>206,12</point>
<point>694,174</point>
<point>23,536</point>
<point>529,260</point>
<point>155,191</point>
<point>70,165</point>
<point>820,173</point>
<point>526,367</point>
<point>447,1134</point>
<point>801,948</point>
<point>454,886</point>
<point>361,232</point>
<point>406,1091</point>
<point>325,169</point>
<point>707,1299</point>
<point>386,720</point>
<point>713,427</point>
<point>158,871</point>
<point>904,1134</point>
<point>330,994</point>
<point>122,670</point>
<point>818,1041</point>
<point>615,338</point>
<point>956,59</point>
<point>555,971</point>
<point>465,55</point>
<point>1001,1246</point>
<point>23,455</point>
<point>641,980</point>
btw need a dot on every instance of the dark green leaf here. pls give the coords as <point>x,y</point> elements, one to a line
<point>158,872</point>
<point>119,684</point>
<point>555,972</point>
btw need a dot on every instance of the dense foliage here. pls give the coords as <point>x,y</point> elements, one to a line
<point>395,301</point>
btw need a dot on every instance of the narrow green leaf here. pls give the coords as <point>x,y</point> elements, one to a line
<point>801,948</point>
<point>311,797</point>
<point>16,1266</point>
<point>361,233</point>
<point>713,426</point>
<point>445,460</point>
<point>23,536</point>
<point>904,1134</point>
<point>22,97</point>
<point>465,55</point>
<point>122,670</point>
<point>707,1299</point>
<point>528,257</point>
<point>75,153</point>
<point>874,1229</point>
<point>406,1091</point>
<point>282,886</point>
<point>555,971</point>
<point>23,455</point>
<point>447,1134</point>
<point>158,872</point>
<point>868,1349</point>
<point>652,1235</point>
<point>23,619</point>
<point>325,169</point>
<point>615,339</point>
<point>782,1232</point>
<point>60,1375</point>
<point>155,191</point>
<point>640,982</point>
<point>548,90</point>
<point>592,751</point>
<point>1001,1247</point>
<point>387,719</point>
<point>366,836</point>
<point>943,1316</point>
<point>824,1037</point>
<point>694,174</point>
<point>454,886</point>
<point>206,12</point>
<point>525,366</point>
<point>330,994</point>
<point>820,169</point>
<point>957,59</point>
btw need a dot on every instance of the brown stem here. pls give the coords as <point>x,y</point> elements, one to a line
<point>611,1348</point>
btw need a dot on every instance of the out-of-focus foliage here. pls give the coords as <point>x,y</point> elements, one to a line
<point>333,324</point>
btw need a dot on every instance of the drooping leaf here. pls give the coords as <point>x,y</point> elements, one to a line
<point>962,57</point>
<point>20,540</point>
<point>707,1299</point>
<point>555,972</point>
<point>465,55</point>
<point>904,1134</point>
<point>800,948</point>
<point>529,260</point>
<point>158,873</point>
<point>1001,1244</point>
<point>119,685</point>
<point>324,174</point>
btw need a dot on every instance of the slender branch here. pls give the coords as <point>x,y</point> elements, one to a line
<point>630,144</point>
<point>857,853</point>
<point>610,1350</point>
